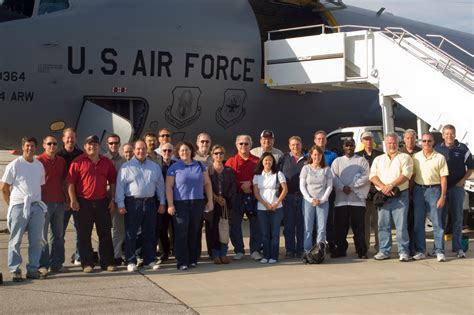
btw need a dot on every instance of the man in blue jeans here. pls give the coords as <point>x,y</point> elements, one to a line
<point>390,170</point>
<point>460,166</point>
<point>24,176</point>
<point>429,195</point>
<point>291,164</point>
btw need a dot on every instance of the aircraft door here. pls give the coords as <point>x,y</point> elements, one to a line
<point>95,120</point>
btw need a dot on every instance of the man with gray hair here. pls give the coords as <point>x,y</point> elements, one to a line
<point>390,173</point>
<point>244,164</point>
<point>203,143</point>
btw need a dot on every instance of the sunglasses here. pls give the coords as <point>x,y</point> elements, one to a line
<point>167,135</point>
<point>166,150</point>
<point>425,141</point>
<point>218,153</point>
<point>114,143</point>
<point>244,143</point>
<point>52,143</point>
<point>205,141</point>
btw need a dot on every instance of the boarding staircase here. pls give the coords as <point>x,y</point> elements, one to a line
<point>404,67</point>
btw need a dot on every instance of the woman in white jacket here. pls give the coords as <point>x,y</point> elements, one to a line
<point>316,181</point>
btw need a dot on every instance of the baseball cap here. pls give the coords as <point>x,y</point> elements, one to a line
<point>267,134</point>
<point>91,139</point>
<point>367,134</point>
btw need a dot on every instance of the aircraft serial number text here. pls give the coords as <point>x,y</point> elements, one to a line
<point>12,76</point>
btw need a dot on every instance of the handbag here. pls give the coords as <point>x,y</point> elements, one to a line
<point>223,226</point>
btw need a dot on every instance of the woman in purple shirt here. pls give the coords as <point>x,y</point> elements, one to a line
<point>186,181</point>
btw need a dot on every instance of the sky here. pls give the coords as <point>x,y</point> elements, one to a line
<point>455,14</point>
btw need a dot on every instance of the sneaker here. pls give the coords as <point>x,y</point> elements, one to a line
<point>363,256</point>
<point>16,277</point>
<point>139,262</point>
<point>88,269</point>
<point>153,266</point>
<point>238,256</point>
<point>132,267</point>
<point>381,256</point>
<point>263,261</point>
<point>272,261</point>
<point>461,254</point>
<point>256,255</point>
<point>183,267</point>
<point>440,257</point>
<point>36,275</point>
<point>404,257</point>
<point>193,265</point>
<point>419,256</point>
<point>77,262</point>
<point>110,268</point>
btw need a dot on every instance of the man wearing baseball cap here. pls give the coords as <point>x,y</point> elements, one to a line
<point>371,217</point>
<point>267,139</point>
<point>87,181</point>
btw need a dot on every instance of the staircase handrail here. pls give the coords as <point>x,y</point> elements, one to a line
<point>323,28</point>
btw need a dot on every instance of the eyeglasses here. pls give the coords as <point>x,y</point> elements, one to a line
<point>114,143</point>
<point>244,143</point>
<point>165,135</point>
<point>218,153</point>
<point>52,143</point>
<point>205,141</point>
<point>166,150</point>
<point>427,140</point>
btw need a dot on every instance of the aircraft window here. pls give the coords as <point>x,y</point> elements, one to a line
<point>49,6</point>
<point>16,9</point>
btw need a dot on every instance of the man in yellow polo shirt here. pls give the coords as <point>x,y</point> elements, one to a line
<point>390,170</point>
<point>430,174</point>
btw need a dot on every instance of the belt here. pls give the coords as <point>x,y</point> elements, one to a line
<point>140,199</point>
<point>429,186</point>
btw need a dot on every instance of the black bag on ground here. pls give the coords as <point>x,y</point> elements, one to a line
<point>316,254</point>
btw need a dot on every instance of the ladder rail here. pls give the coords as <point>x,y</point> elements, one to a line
<point>444,39</point>
<point>323,28</point>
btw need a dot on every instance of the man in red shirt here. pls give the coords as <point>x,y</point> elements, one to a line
<point>52,255</point>
<point>243,164</point>
<point>87,180</point>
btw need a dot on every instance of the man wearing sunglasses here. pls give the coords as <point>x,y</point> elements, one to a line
<point>244,164</point>
<point>203,143</point>
<point>429,195</point>
<point>164,136</point>
<point>52,255</point>
<point>118,227</point>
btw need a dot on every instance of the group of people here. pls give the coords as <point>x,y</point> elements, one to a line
<point>153,199</point>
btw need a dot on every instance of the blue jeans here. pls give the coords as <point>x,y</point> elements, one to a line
<point>293,223</point>
<point>396,208</point>
<point>314,217</point>
<point>141,213</point>
<point>221,252</point>
<point>454,204</point>
<point>52,254</point>
<point>425,199</point>
<point>243,202</point>
<point>34,224</point>
<point>186,227</point>
<point>270,226</point>
<point>67,216</point>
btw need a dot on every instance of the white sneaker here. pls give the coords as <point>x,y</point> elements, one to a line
<point>77,262</point>
<point>381,256</point>
<point>131,267</point>
<point>263,261</point>
<point>404,257</point>
<point>461,254</point>
<point>183,267</point>
<point>440,257</point>
<point>419,256</point>
<point>272,261</point>
<point>153,266</point>
<point>238,256</point>
<point>256,255</point>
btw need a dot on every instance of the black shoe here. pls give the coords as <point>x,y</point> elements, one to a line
<point>96,257</point>
<point>16,277</point>
<point>1,278</point>
<point>36,275</point>
<point>337,254</point>
<point>118,262</point>
<point>331,248</point>
<point>363,256</point>
<point>162,259</point>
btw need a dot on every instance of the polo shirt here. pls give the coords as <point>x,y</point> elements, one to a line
<point>55,173</point>
<point>459,160</point>
<point>369,158</point>
<point>69,156</point>
<point>90,180</point>
<point>258,151</point>
<point>415,150</point>
<point>268,187</point>
<point>188,180</point>
<point>243,169</point>
<point>388,170</point>
<point>117,161</point>
<point>428,170</point>
<point>329,157</point>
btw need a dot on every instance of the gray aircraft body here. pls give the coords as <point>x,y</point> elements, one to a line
<point>191,66</point>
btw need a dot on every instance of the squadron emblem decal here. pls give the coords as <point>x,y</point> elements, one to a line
<point>184,109</point>
<point>232,110</point>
